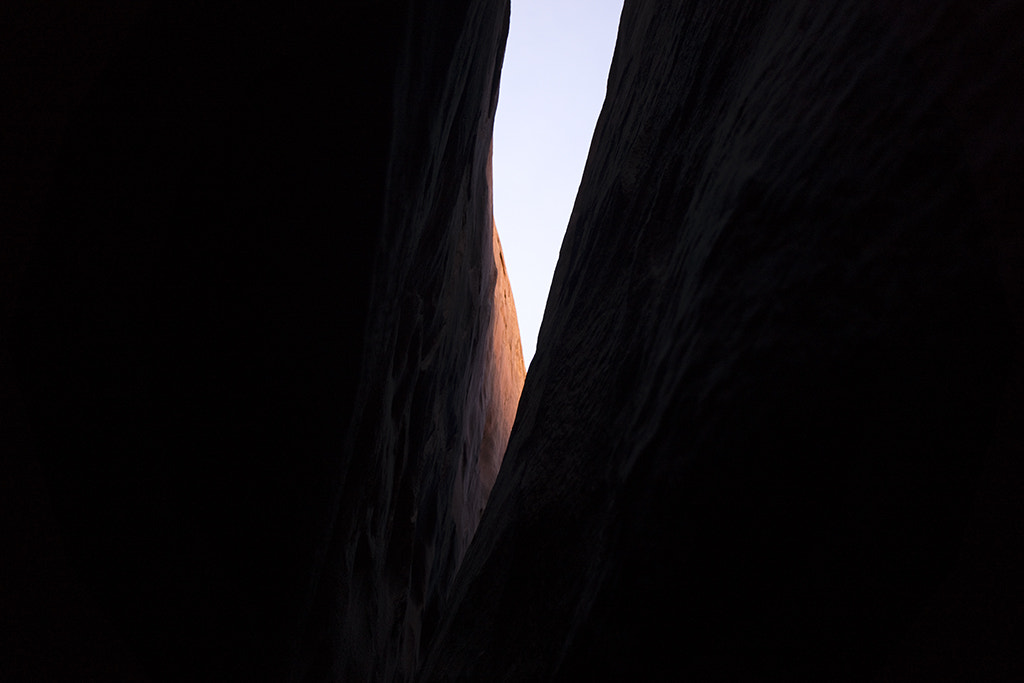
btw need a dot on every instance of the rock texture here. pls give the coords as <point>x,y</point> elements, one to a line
<point>442,367</point>
<point>506,376</point>
<point>265,358</point>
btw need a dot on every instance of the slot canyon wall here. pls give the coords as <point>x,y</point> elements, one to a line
<point>266,354</point>
<point>259,357</point>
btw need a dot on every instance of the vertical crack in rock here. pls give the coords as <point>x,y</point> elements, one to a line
<point>267,357</point>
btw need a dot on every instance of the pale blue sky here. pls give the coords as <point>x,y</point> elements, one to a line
<point>552,87</point>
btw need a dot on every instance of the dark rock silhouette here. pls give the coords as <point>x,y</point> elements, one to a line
<point>258,333</point>
<point>259,357</point>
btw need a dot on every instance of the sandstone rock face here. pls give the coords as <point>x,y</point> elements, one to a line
<point>442,366</point>
<point>772,357</point>
<point>267,345</point>
<point>266,359</point>
<point>506,375</point>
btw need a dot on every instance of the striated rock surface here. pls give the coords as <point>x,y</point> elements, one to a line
<point>773,356</point>
<point>442,366</point>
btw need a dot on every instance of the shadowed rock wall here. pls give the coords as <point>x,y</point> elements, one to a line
<point>51,58</point>
<point>266,344</point>
<point>443,365</point>
<point>267,358</point>
<point>774,354</point>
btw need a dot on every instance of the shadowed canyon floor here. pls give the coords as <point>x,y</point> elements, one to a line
<point>260,359</point>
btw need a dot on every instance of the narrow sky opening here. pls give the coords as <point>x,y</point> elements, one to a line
<point>553,82</point>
